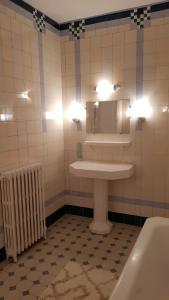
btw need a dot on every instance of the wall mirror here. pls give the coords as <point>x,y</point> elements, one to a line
<point>108,117</point>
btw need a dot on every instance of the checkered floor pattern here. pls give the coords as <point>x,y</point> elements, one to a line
<point>69,239</point>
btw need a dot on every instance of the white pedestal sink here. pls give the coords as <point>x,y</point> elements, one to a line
<point>101,173</point>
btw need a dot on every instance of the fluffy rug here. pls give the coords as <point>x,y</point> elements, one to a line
<point>77,281</point>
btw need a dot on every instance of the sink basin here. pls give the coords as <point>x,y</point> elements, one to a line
<point>101,172</point>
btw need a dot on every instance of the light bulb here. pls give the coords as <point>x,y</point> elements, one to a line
<point>104,89</point>
<point>76,111</point>
<point>141,108</point>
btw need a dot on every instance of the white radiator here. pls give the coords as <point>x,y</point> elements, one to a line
<point>22,196</point>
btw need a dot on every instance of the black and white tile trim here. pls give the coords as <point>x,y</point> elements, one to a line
<point>39,20</point>
<point>118,15</point>
<point>139,16</point>
<point>76,28</point>
<point>93,20</point>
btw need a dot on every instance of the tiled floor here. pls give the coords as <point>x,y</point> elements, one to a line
<point>68,239</point>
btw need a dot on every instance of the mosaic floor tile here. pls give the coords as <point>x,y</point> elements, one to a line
<point>69,239</point>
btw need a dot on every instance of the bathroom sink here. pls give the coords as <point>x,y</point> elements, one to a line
<point>100,170</point>
<point>101,173</point>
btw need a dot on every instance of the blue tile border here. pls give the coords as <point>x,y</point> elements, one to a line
<point>95,19</point>
<point>131,201</point>
<point>139,64</point>
<point>86,212</point>
<point>113,216</point>
<point>42,80</point>
<point>140,202</point>
<point>120,199</point>
<point>55,198</point>
<point>78,194</point>
<point>77,70</point>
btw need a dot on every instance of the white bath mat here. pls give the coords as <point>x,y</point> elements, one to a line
<point>77,281</point>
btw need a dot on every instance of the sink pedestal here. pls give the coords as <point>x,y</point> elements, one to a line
<point>101,172</point>
<point>100,224</point>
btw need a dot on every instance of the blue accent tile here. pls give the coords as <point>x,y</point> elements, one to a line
<point>45,272</point>
<point>11,274</point>
<point>36,282</point>
<point>25,293</point>
<point>12,288</point>
<point>23,278</point>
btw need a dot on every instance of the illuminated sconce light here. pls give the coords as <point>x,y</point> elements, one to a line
<point>76,113</point>
<point>141,110</point>
<point>56,114</point>
<point>104,89</point>
<point>6,117</point>
<point>24,95</point>
<point>165,108</point>
<point>50,115</point>
<point>96,104</point>
<point>128,112</point>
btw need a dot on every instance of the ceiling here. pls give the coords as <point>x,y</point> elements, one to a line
<point>67,10</point>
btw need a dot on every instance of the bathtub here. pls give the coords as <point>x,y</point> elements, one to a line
<point>146,273</point>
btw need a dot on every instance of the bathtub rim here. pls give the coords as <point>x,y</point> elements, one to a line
<point>126,280</point>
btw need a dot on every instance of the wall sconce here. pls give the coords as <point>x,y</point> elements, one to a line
<point>104,89</point>
<point>50,115</point>
<point>25,95</point>
<point>76,113</point>
<point>117,87</point>
<point>165,108</point>
<point>141,110</point>
<point>6,117</point>
<point>56,114</point>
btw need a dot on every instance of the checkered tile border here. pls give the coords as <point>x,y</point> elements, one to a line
<point>139,16</point>
<point>39,20</point>
<point>76,28</point>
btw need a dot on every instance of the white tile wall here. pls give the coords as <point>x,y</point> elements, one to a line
<point>105,52</point>
<point>22,139</point>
